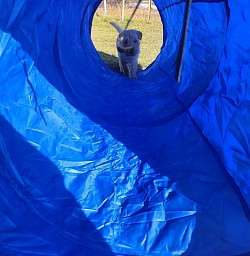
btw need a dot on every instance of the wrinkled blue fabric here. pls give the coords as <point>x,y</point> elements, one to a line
<point>93,163</point>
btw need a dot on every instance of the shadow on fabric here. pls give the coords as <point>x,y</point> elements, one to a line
<point>37,212</point>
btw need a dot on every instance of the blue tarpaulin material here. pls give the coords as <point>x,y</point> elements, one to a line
<point>93,163</point>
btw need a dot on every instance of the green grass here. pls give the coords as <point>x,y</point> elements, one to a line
<point>104,35</point>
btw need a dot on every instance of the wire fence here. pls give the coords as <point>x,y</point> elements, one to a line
<point>147,8</point>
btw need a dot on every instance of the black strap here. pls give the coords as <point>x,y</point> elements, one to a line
<point>183,41</point>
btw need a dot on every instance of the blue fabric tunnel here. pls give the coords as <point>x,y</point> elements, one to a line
<point>94,163</point>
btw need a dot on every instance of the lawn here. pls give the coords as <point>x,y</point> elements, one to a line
<point>104,35</point>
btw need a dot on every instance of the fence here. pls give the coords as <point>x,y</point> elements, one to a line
<point>123,4</point>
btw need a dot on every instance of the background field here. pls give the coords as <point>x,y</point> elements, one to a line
<point>104,35</point>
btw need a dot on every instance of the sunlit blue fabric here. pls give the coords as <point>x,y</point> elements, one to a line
<point>93,163</point>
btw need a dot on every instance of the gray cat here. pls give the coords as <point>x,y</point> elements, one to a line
<point>128,47</point>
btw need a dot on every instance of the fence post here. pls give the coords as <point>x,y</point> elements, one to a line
<point>149,8</point>
<point>123,9</point>
<point>105,6</point>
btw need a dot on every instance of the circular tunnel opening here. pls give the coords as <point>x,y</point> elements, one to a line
<point>155,96</point>
<point>146,20</point>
